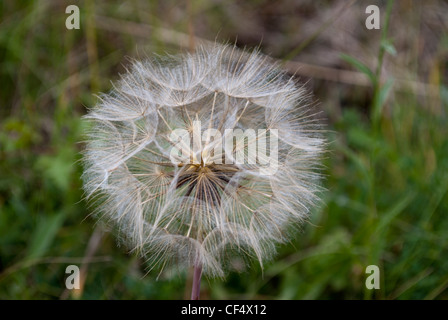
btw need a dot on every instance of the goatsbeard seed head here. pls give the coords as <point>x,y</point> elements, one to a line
<point>190,200</point>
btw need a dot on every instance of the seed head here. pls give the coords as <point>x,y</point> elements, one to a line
<point>164,170</point>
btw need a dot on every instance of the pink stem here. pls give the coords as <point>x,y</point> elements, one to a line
<point>195,290</point>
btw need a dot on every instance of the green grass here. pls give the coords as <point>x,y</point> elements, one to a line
<point>386,174</point>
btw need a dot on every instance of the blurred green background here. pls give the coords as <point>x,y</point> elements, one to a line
<point>383,92</point>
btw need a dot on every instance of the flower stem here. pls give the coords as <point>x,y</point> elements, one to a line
<point>195,289</point>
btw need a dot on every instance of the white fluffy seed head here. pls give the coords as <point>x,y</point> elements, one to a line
<point>205,212</point>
